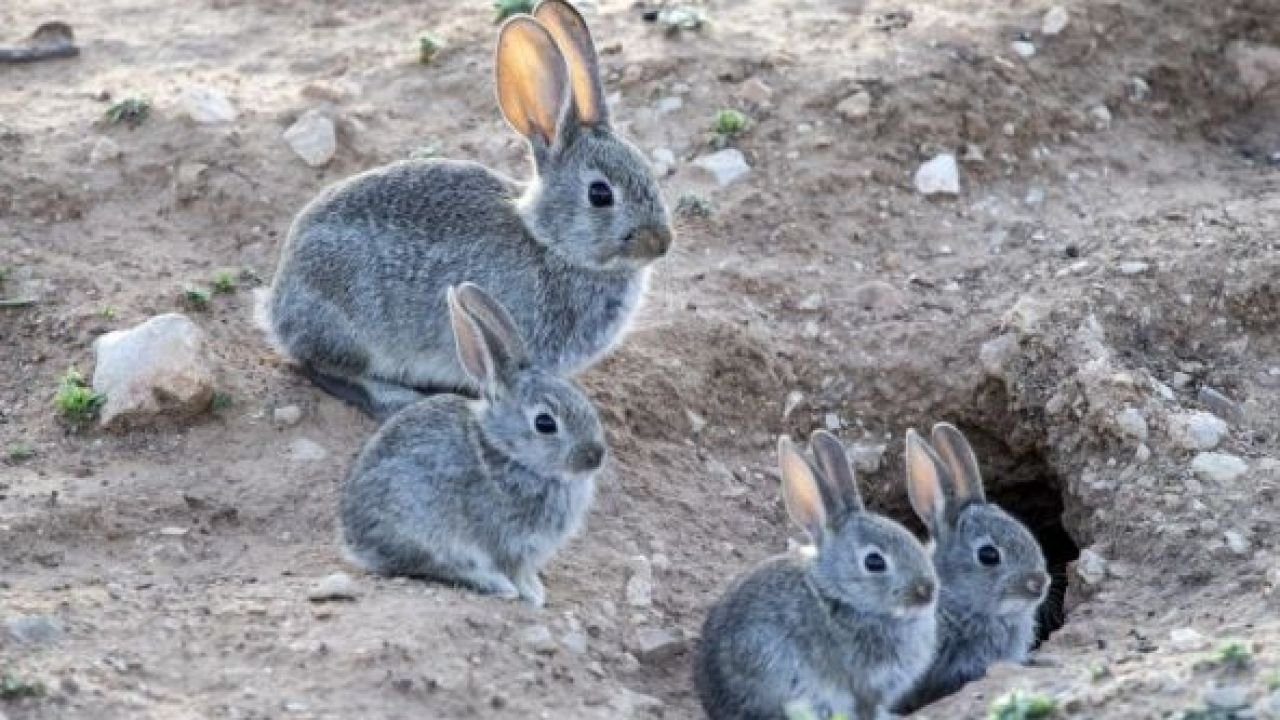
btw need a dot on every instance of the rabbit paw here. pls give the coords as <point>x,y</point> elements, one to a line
<point>531,588</point>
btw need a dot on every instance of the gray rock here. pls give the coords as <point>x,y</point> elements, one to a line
<point>338,586</point>
<point>1131,423</point>
<point>867,456</point>
<point>938,176</point>
<point>669,105</point>
<point>105,150</point>
<point>1054,21</point>
<point>1236,542</point>
<point>1198,430</point>
<point>313,138</point>
<point>664,161</point>
<point>304,450</point>
<point>1227,697</point>
<point>639,590</point>
<point>206,105</point>
<point>1257,66</point>
<point>1218,467</point>
<point>575,641</point>
<point>1133,267</point>
<point>997,354</point>
<point>287,415</point>
<point>855,107</point>
<point>1101,116</point>
<point>755,90</point>
<point>725,166</point>
<point>628,704</point>
<point>1217,403</point>
<point>1187,640</point>
<point>152,371</point>
<point>655,645</point>
<point>34,629</point>
<point>538,639</point>
<point>878,296</point>
<point>1091,567</point>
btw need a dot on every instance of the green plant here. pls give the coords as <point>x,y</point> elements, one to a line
<point>1234,655</point>
<point>75,400</point>
<point>13,687</point>
<point>692,205</point>
<point>224,282</point>
<point>195,298</point>
<point>1099,671</point>
<point>428,46</point>
<point>507,8</point>
<point>729,122</point>
<point>132,111</point>
<point>1022,705</point>
<point>221,401</point>
<point>21,451</point>
<point>108,312</point>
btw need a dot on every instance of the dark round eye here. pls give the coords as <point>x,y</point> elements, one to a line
<point>988,555</point>
<point>600,194</point>
<point>544,424</point>
<point>874,562</point>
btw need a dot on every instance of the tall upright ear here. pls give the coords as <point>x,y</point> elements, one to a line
<point>532,79</point>
<point>955,451</point>
<point>502,337</point>
<point>925,478</point>
<point>473,352</point>
<point>835,470</point>
<point>800,491</point>
<point>570,31</point>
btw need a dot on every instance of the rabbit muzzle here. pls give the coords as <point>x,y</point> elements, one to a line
<point>1028,590</point>
<point>649,243</point>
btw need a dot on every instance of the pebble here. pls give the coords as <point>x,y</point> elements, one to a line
<point>664,161</point>
<point>810,303</point>
<point>1198,430</point>
<point>867,457</point>
<point>878,296</point>
<point>938,176</point>
<point>629,703</point>
<point>105,150</point>
<point>1187,640</point>
<point>832,422</point>
<point>1218,467</point>
<point>33,629</point>
<point>755,90</point>
<point>287,415</point>
<point>793,400</point>
<point>1134,267</point>
<point>726,166</point>
<point>1182,381</point>
<point>575,641</point>
<point>668,105</point>
<point>152,371</point>
<point>997,354</point>
<point>1091,567</point>
<point>1227,697</point>
<point>338,586</point>
<point>1139,89</point>
<point>1054,21</point>
<point>1131,423</point>
<point>1217,403</point>
<point>1236,542</point>
<point>1023,48</point>
<point>206,105</point>
<point>855,107</point>
<point>639,590</point>
<point>304,450</point>
<point>313,138</point>
<point>654,645</point>
<point>1101,116</point>
<point>538,639</point>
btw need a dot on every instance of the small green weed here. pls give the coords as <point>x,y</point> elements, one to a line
<point>130,111</point>
<point>507,8</point>
<point>195,298</point>
<point>13,687</point>
<point>729,123</point>
<point>221,401</point>
<point>108,313</point>
<point>75,400</point>
<point>1234,655</point>
<point>21,451</point>
<point>224,282</point>
<point>428,46</point>
<point>692,205</point>
<point>1021,705</point>
<point>1099,671</point>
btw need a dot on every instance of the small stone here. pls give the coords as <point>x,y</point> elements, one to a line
<point>33,629</point>
<point>1187,640</point>
<point>1132,424</point>
<point>1198,430</point>
<point>867,457</point>
<point>855,107</point>
<point>1054,21</point>
<point>756,91</point>
<point>206,105</point>
<point>152,371</point>
<point>1182,381</point>
<point>538,639</point>
<point>810,303</point>
<point>1134,267</point>
<point>639,590</point>
<point>832,422</point>
<point>1142,454</point>
<point>1236,543</point>
<point>939,176</point>
<point>1257,66</point>
<point>1034,196</point>
<point>313,138</point>
<point>725,166</point>
<point>304,450</point>
<point>287,415</point>
<point>1217,403</point>
<point>1101,117</point>
<point>1091,567</point>
<point>1218,467</point>
<point>294,706</point>
<point>997,354</point>
<point>668,105</point>
<point>878,296</point>
<point>105,150</point>
<point>654,645</point>
<point>575,642</point>
<point>664,161</point>
<point>794,398</point>
<point>1139,89</point>
<point>174,531</point>
<point>1227,697</point>
<point>1023,48</point>
<point>338,586</point>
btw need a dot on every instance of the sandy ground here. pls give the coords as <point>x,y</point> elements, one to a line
<point>1087,268</point>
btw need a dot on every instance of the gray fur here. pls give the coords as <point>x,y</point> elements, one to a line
<point>359,290</point>
<point>825,630</point>
<point>985,614</point>
<point>466,491</point>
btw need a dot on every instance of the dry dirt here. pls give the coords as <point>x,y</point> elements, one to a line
<point>1103,268</point>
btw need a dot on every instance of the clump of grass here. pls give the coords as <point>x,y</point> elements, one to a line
<point>131,111</point>
<point>428,47</point>
<point>195,298</point>
<point>1022,705</point>
<point>692,205</point>
<point>108,312</point>
<point>13,687</point>
<point>75,400</point>
<point>224,282</point>
<point>221,401</point>
<point>21,451</point>
<point>1234,655</point>
<point>729,122</point>
<point>507,8</point>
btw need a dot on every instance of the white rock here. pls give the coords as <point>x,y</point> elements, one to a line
<point>831,421</point>
<point>304,450</point>
<point>664,161</point>
<point>207,105</point>
<point>1101,116</point>
<point>338,586</point>
<point>1091,567</point>
<point>654,645</point>
<point>639,590</point>
<point>287,415</point>
<point>155,370</point>
<point>1218,467</point>
<point>1132,423</point>
<point>313,138</point>
<point>855,107</point>
<point>575,641</point>
<point>1023,48</point>
<point>668,105</point>
<point>1198,430</point>
<point>538,639</point>
<point>1054,21</point>
<point>997,354</point>
<point>105,150</point>
<point>867,457</point>
<point>726,166</point>
<point>939,176</point>
<point>1187,640</point>
<point>1133,267</point>
<point>1236,542</point>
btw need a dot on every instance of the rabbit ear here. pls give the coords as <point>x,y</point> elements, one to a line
<point>533,82</point>
<point>473,351</point>
<point>835,469</point>
<point>966,479</point>
<point>574,40</point>
<point>502,337</point>
<point>800,491</point>
<point>925,477</point>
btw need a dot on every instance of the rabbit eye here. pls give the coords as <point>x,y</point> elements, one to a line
<point>544,424</point>
<point>600,194</point>
<point>874,562</point>
<point>988,555</point>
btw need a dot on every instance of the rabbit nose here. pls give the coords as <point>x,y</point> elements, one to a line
<point>922,591</point>
<point>587,456</point>
<point>1036,583</point>
<point>651,242</point>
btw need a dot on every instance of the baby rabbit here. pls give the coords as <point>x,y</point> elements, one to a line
<point>847,631</point>
<point>479,492</point>
<point>358,299</point>
<point>991,568</point>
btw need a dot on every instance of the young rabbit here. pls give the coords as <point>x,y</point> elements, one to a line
<point>847,631</point>
<point>358,299</point>
<point>991,568</point>
<point>479,492</point>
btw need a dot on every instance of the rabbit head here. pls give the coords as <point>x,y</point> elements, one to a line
<point>864,561</point>
<point>987,561</point>
<point>533,417</point>
<point>593,200</point>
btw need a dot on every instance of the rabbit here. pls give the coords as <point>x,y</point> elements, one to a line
<point>846,630</point>
<point>477,492</point>
<point>358,298</point>
<point>992,570</point>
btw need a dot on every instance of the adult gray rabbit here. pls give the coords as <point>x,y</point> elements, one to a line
<point>847,631</point>
<point>358,299</point>
<point>479,492</point>
<point>991,568</point>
